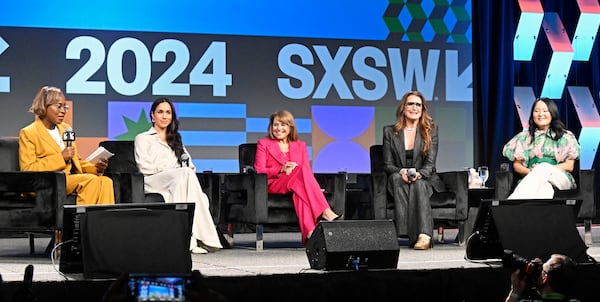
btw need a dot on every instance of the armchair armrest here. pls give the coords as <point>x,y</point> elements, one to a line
<point>457,182</point>
<point>210,185</point>
<point>116,185</point>
<point>129,186</point>
<point>504,184</point>
<point>586,186</point>
<point>334,185</point>
<point>247,189</point>
<point>379,194</point>
<point>50,196</point>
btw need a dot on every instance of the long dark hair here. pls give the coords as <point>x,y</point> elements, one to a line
<point>426,124</point>
<point>557,127</point>
<point>173,136</point>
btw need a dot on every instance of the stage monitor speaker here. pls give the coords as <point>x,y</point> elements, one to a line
<point>133,238</point>
<point>353,245</point>
<point>530,228</point>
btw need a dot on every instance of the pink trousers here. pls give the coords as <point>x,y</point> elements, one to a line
<point>309,200</point>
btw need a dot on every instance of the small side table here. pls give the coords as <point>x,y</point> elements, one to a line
<point>475,197</point>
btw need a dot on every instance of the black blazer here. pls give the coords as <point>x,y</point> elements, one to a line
<point>394,155</point>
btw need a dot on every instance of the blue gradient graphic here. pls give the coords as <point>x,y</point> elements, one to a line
<point>309,18</point>
<point>209,110</point>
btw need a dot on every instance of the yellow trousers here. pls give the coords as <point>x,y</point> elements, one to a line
<point>91,189</point>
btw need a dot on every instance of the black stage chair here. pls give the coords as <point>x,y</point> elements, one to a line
<point>245,199</point>
<point>506,181</point>
<point>122,166</point>
<point>30,202</point>
<point>448,208</point>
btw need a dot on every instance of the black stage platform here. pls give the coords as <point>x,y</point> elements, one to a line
<point>282,273</point>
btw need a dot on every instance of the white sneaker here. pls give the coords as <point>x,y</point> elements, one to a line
<point>198,250</point>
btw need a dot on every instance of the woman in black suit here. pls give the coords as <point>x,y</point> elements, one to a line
<point>409,152</point>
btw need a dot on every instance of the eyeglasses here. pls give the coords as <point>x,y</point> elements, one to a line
<point>61,106</point>
<point>413,104</point>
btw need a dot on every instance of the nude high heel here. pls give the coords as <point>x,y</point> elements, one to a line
<point>424,242</point>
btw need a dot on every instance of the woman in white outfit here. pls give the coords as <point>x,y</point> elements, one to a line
<point>158,155</point>
<point>545,155</point>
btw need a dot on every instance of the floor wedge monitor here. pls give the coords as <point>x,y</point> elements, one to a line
<point>353,245</point>
<point>530,228</point>
<point>103,241</point>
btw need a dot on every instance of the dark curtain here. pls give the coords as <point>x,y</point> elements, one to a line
<point>494,111</point>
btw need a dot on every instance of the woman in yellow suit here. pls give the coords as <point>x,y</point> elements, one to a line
<point>41,148</point>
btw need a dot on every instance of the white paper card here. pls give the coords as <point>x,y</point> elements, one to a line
<point>100,153</point>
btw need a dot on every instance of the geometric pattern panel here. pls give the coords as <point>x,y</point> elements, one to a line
<point>430,20</point>
<point>524,98</point>
<point>562,56</point>
<point>128,118</point>
<point>528,29</point>
<point>587,29</point>
<point>589,117</point>
<point>563,52</point>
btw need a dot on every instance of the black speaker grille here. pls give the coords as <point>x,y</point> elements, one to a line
<point>353,245</point>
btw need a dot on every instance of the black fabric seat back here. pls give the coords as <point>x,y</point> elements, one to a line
<point>124,159</point>
<point>9,154</point>
<point>376,152</point>
<point>247,156</point>
<point>438,199</point>
<point>131,180</point>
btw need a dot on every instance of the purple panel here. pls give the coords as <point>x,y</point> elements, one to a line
<point>342,156</point>
<point>343,122</point>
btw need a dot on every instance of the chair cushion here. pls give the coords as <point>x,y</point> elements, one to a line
<point>124,159</point>
<point>153,197</point>
<point>280,201</point>
<point>443,200</point>
<point>9,154</point>
<point>438,200</point>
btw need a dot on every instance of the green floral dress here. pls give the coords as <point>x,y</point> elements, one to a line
<point>543,149</point>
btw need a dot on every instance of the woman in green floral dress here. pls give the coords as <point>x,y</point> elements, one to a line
<point>544,155</point>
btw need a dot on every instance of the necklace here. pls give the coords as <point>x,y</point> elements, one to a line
<point>409,129</point>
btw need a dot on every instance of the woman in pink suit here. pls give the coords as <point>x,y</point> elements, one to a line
<point>284,158</point>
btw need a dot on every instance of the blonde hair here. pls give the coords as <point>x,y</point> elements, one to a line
<point>47,96</point>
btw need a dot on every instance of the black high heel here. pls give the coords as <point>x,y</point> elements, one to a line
<point>339,217</point>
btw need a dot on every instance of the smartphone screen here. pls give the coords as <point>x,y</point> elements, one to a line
<point>157,287</point>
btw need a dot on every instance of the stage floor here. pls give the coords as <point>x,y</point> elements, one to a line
<point>283,254</point>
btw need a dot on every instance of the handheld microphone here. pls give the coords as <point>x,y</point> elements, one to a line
<point>185,160</point>
<point>412,173</point>
<point>69,138</point>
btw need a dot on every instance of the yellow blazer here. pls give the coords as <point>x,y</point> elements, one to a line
<point>39,152</point>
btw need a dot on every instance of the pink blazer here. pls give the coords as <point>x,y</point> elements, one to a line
<point>270,159</point>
